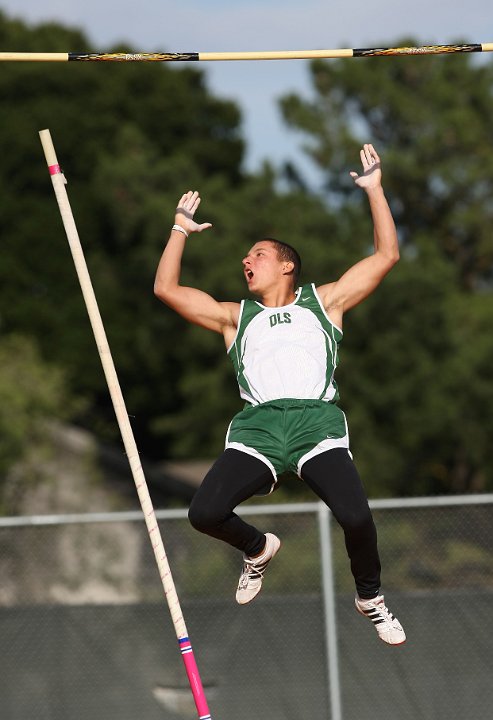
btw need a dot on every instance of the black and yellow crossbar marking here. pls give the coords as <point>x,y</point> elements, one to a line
<point>256,55</point>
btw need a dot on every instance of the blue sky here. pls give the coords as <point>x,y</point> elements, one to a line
<point>229,25</point>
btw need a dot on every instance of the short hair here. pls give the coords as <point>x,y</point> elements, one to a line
<point>287,253</point>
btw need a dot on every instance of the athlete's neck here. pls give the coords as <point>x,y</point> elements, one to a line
<point>277,297</point>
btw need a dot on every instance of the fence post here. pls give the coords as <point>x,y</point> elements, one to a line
<point>329,605</point>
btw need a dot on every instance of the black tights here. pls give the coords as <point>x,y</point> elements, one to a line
<point>332,475</point>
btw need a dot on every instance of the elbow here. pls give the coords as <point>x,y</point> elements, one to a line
<point>394,257</point>
<point>162,292</point>
<point>391,263</point>
<point>387,261</point>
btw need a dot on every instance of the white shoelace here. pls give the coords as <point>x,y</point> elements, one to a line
<point>251,571</point>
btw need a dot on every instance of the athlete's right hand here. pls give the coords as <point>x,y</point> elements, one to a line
<point>186,208</point>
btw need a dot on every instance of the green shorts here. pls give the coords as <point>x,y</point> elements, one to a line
<point>284,434</point>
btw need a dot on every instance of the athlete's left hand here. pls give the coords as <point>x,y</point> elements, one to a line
<point>372,172</point>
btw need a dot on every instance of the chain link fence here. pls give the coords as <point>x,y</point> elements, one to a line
<point>86,634</point>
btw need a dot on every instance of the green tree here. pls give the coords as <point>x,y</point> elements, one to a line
<point>126,135</point>
<point>417,374</point>
<point>32,392</point>
<point>131,139</point>
<point>429,118</point>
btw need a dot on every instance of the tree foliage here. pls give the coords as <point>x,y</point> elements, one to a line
<point>129,138</point>
<point>428,117</point>
<point>417,369</point>
<point>415,375</point>
<point>32,391</point>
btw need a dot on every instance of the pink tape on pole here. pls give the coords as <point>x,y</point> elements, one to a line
<point>194,678</point>
<point>54,169</point>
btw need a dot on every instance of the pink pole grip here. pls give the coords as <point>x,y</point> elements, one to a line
<point>194,678</point>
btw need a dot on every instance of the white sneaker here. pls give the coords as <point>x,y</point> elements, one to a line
<point>253,570</point>
<point>387,626</point>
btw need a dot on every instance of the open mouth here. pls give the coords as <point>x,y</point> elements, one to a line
<point>248,274</point>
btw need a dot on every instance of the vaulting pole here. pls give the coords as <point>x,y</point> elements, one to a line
<point>268,55</point>
<point>58,180</point>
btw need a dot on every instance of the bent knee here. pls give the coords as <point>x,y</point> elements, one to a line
<point>203,518</point>
<point>357,521</point>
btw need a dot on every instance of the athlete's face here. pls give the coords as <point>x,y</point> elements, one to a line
<point>262,266</point>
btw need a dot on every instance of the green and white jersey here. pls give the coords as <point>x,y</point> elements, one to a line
<point>286,352</point>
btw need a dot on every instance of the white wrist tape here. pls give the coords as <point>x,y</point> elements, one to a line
<point>180,229</point>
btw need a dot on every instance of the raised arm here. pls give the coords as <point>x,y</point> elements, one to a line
<point>194,305</point>
<point>362,278</point>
